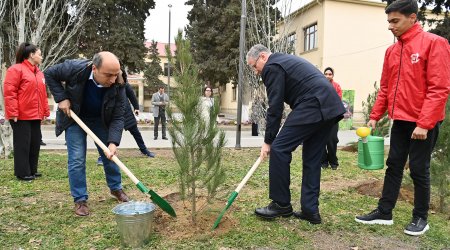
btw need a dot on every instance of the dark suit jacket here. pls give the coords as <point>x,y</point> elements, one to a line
<point>293,80</point>
<point>75,74</point>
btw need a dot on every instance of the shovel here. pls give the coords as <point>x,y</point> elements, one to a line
<point>164,205</point>
<point>236,191</point>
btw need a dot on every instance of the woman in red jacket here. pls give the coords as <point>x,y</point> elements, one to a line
<point>26,106</point>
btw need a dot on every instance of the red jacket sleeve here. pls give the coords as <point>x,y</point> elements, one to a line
<point>11,92</point>
<point>381,104</point>
<point>438,83</point>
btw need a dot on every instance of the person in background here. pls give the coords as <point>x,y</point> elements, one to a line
<point>130,122</point>
<point>159,102</point>
<point>414,87</point>
<point>207,103</point>
<point>26,106</point>
<point>95,91</point>
<point>329,155</point>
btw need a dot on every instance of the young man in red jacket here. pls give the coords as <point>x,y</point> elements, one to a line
<point>415,84</point>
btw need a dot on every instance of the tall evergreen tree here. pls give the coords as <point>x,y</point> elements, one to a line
<point>197,141</point>
<point>214,34</point>
<point>117,26</point>
<point>153,68</point>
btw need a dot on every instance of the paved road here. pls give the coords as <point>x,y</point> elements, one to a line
<point>247,140</point>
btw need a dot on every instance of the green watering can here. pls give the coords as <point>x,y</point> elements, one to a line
<point>370,150</point>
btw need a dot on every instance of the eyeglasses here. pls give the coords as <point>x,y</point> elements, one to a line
<point>254,65</point>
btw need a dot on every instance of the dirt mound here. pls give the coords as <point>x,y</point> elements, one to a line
<point>182,226</point>
<point>375,187</point>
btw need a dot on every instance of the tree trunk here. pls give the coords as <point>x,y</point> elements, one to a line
<point>193,197</point>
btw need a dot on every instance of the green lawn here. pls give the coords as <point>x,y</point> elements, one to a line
<point>39,214</point>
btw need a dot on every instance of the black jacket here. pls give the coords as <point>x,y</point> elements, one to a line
<point>293,80</point>
<point>74,74</point>
<point>129,118</point>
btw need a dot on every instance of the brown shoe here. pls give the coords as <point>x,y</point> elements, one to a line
<point>120,195</point>
<point>81,208</point>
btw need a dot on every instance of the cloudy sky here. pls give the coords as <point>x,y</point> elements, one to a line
<point>157,24</point>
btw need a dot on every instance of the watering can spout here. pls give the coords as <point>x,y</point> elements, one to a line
<point>364,132</point>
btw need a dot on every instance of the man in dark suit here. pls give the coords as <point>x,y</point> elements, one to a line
<point>316,107</point>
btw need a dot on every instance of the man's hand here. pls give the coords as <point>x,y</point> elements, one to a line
<point>112,151</point>
<point>419,134</point>
<point>14,118</point>
<point>64,106</point>
<point>372,124</point>
<point>265,151</point>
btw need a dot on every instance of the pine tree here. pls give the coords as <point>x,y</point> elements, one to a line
<point>197,143</point>
<point>153,69</point>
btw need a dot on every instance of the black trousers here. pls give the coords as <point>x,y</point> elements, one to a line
<point>162,118</point>
<point>26,144</point>
<point>329,155</point>
<point>137,137</point>
<point>419,152</point>
<point>314,137</point>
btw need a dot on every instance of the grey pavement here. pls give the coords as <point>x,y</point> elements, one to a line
<point>247,140</point>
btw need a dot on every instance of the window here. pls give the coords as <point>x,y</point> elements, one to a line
<point>291,39</point>
<point>166,69</point>
<point>311,37</point>
<point>234,92</point>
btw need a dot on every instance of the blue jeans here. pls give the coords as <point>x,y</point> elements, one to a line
<point>76,150</point>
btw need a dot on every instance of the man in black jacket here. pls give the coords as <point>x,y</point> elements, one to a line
<point>315,109</point>
<point>95,92</point>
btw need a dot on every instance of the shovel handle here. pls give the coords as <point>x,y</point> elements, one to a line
<point>103,146</point>
<point>248,175</point>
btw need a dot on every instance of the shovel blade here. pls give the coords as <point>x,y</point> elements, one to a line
<point>163,204</point>
<point>229,202</point>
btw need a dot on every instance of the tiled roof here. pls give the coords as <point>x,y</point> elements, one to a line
<point>162,48</point>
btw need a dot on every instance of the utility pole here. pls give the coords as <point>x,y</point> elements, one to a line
<point>241,73</point>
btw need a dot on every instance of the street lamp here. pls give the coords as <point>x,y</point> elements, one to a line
<point>169,56</point>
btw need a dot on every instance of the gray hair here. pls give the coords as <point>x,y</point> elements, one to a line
<point>256,50</point>
<point>97,60</point>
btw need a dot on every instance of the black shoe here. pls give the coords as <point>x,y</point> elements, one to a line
<point>375,217</point>
<point>147,153</point>
<point>26,178</point>
<point>37,174</point>
<point>155,138</point>
<point>99,161</point>
<point>274,210</point>
<point>165,138</point>
<point>334,167</point>
<point>418,226</point>
<point>42,143</point>
<point>324,165</point>
<point>311,218</point>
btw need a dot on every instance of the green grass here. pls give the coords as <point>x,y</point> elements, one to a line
<point>39,214</point>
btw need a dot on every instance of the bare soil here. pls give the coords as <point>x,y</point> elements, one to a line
<point>183,227</point>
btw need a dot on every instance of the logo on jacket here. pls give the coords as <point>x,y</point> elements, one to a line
<point>415,58</point>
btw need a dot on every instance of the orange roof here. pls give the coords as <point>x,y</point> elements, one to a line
<point>162,48</point>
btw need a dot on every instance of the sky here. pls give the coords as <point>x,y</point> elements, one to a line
<point>157,24</point>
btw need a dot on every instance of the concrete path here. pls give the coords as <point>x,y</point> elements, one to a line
<point>247,140</point>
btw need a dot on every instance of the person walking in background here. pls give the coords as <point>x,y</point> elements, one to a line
<point>26,106</point>
<point>329,155</point>
<point>316,108</point>
<point>414,88</point>
<point>95,91</point>
<point>130,122</point>
<point>159,102</point>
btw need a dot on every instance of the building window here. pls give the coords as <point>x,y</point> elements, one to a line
<point>234,92</point>
<point>311,37</point>
<point>166,69</point>
<point>290,43</point>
